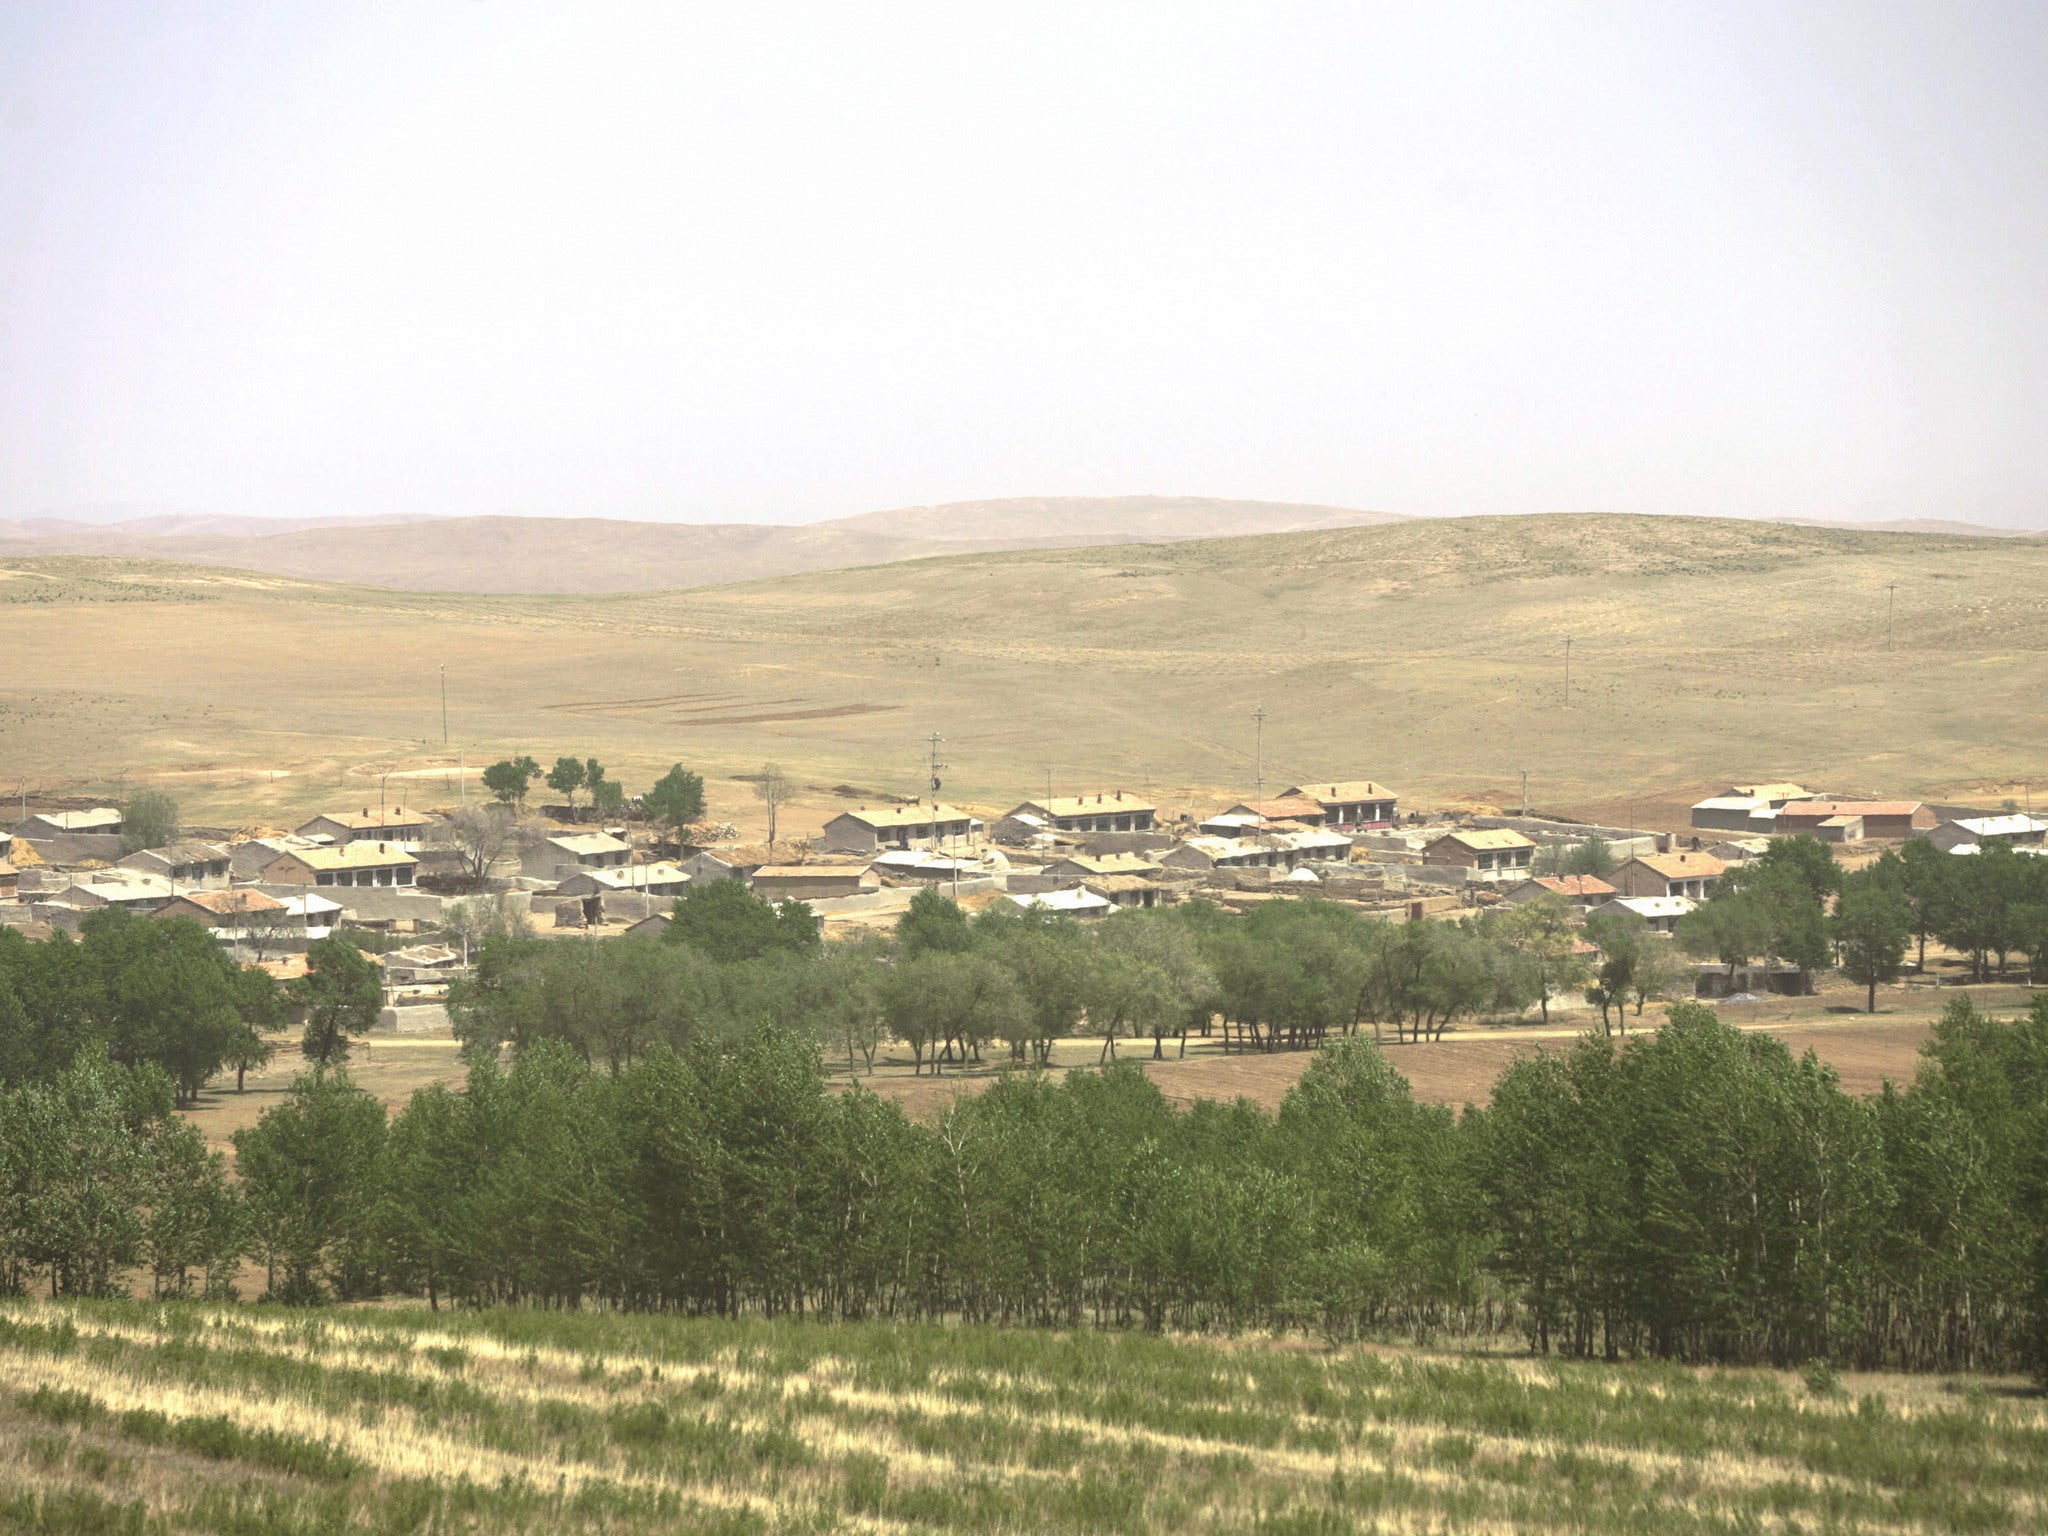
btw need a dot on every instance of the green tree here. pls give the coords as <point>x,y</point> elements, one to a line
<point>81,1172</point>
<point>933,925</point>
<point>166,994</point>
<point>1872,924</point>
<point>309,1171</point>
<point>1544,931</point>
<point>341,995</point>
<point>510,778</point>
<point>149,820</point>
<point>1591,855</point>
<point>195,1218</point>
<point>1623,940</point>
<point>726,921</point>
<point>676,800</point>
<point>566,778</point>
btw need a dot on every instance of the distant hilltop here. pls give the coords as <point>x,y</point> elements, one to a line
<point>412,552</point>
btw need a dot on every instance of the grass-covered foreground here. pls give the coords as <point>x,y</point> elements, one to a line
<point>139,1417</point>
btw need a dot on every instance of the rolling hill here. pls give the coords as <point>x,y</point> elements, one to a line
<point>561,554</point>
<point>1426,654</point>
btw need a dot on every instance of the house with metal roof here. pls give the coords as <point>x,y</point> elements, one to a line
<point>1660,912</point>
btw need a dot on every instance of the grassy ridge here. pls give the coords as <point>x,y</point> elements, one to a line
<point>1428,655</point>
<point>147,1417</point>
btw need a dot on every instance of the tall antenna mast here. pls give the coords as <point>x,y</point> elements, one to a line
<point>444,703</point>
<point>936,765</point>
<point>1259,737</point>
<point>1890,588</point>
<point>1567,671</point>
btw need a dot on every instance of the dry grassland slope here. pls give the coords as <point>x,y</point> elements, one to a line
<point>1426,654</point>
<point>554,554</point>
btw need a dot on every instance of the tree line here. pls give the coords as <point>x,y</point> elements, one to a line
<point>951,988</point>
<point>1693,1193</point>
<point>1795,906</point>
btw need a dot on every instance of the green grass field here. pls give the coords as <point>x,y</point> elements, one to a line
<point>137,1417</point>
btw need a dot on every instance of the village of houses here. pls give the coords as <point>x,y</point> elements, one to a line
<point>392,872</point>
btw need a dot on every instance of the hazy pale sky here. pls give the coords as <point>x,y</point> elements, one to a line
<point>747,261</point>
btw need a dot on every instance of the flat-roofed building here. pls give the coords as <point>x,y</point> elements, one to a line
<point>1076,901</point>
<point>355,864</point>
<point>1668,874</point>
<point>399,826</point>
<point>1108,811</point>
<point>1660,912</point>
<point>1492,852</point>
<point>871,829</point>
<point>814,882</point>
<point>1350,805</point>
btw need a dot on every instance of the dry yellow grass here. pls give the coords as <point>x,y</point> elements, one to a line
<point>511,1421</point>
<point>1428,655</point>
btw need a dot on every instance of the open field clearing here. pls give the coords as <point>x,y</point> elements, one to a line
<point>1460,1069</point>
<point>1427,654</point>
<point>132,1417</point>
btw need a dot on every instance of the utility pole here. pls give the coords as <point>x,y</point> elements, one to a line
<point>1890,588</point>
<point>444,703</point>
<point>380,799</point>
<point>1525,793</point>
<point>936,765</point>
<point>1259,730</point>
<point>1567,671</point>
<point>462,778</point>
